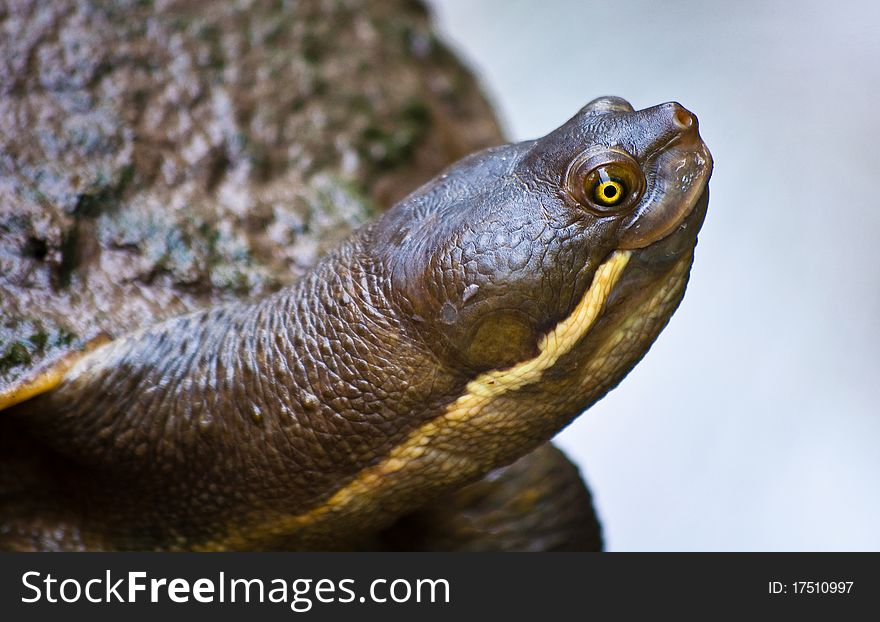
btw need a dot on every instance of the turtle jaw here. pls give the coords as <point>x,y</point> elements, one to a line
<point>639,306</point>
<point>680,241</point>
<point>678,176</point>
<point>646,295</point>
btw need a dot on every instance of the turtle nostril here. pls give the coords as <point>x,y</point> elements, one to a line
<point>683,119</point>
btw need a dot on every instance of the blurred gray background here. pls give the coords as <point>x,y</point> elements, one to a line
<point>753,422</point>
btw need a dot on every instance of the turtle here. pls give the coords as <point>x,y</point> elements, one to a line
<point>399,393</point>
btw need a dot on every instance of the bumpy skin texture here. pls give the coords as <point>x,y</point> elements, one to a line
<point>326,411</point>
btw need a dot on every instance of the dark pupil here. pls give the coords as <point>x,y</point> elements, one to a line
<point>610,192</point>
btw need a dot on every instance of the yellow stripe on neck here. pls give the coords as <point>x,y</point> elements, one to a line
<point>361,492</point>
<point>47,378</point>
<point>555,343</point>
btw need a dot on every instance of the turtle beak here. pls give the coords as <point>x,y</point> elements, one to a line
<point>678,174</point>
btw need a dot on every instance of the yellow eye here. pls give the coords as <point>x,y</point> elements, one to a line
<point>605,181</point>
<point>609,191</point>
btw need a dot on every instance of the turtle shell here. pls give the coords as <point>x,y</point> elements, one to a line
<point>155,161</point>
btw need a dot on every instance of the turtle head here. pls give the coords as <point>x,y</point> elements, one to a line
<point>494,262</point>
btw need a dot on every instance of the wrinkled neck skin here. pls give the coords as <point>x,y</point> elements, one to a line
<point>243,411</point>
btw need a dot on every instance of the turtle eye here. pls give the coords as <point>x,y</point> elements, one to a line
<point>607,190</point>
<point>606,181</point>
